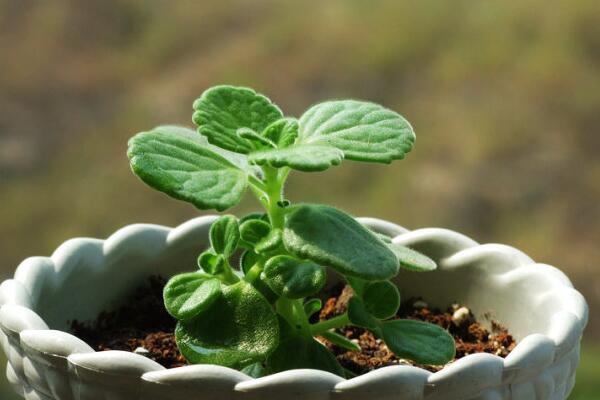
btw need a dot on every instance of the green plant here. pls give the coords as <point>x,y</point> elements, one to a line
<point>257,319</point>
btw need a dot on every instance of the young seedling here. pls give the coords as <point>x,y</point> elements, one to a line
<point>256,318</point>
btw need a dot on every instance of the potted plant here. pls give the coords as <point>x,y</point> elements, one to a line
<point>253,331</point>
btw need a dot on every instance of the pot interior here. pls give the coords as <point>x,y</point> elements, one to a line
<point>95,276</point>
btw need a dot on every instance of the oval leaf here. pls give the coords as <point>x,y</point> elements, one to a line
<point>224,235</point>
<point>182,166</point>
<point>411,259</point>
<point>359,316</point>
<point>419,341</point>
<point>301,157</point>
<point>270,242</point>
<point>330,237</point>
<point>187,295</point>
<point>382,299</point>
<point>254,230</point>
<point>222,110</point>
<point>211,263</point>
<point>240,328</point>
<point>293,278</point>
<point>364,131</point>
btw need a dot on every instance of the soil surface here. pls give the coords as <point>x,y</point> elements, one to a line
<point>143,326</point>
<point>470,336</point>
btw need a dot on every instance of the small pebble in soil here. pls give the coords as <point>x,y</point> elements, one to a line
<point>460,316</point>
<point>420,304</point>
<point>142,351</point>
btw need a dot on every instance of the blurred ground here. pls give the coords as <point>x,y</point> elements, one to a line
<point>503,96</point>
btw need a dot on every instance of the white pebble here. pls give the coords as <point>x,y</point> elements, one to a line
<point>142,351</point>
<point>420,304</point>
<point>460,316</point>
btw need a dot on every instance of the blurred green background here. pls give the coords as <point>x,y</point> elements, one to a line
<point>504,97</point>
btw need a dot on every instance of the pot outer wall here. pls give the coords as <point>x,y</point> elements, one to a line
<point>85,276</point>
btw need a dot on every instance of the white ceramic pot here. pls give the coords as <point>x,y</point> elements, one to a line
<point>86,276</point>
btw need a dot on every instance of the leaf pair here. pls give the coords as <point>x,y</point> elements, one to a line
<point>224,237</point>
<point>244,127</point>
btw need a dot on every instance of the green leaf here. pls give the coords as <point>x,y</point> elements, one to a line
<point>293,278</point>
<point>256,370</point>
<point>259,141</point>
<point>411,259</point>
<point>224,235</point>
<point>419,341</point>
<point>328,236</point>
<point>360,316</point>
<point>282,132</point>
<point>382,299</point>
<point>301,352</point>
<point>240,328</point>
<point>270,242</point>
<point>363,131</point>
<point>183,166</point>
<point>312,306</point>
<point>384,238</point>
<point>306,158</point>
<point>212,263</point>
<point>248,260</point>
<point>222,110</point>
<point>254,230</point>
<point>187,295</point>
<point>340,341</point>
<point>254,215</point>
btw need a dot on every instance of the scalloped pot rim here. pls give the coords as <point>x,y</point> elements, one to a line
<point>544,310</point>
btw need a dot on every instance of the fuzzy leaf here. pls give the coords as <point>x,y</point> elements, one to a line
<point>363,131</point>
<point>411,259</point>
<point>282,132</point>
<point>225,235</point>
<point>183,166</point>
<point>259,140</point>
<point>222,110</point>
<point>306,158</point>
<point>187,295</point>
<point>360,316</point>
<point>240,328</point>
<point>211,263</point>
<point>293,278</point>
<point>328,236</point>
<point>419,341</point>
<point>253,231</point>
<point>382,299</point>
<point>270,242</point>
<point>248,259</point>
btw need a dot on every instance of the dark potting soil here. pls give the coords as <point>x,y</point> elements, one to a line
<point>469,335</point>
<point>143,326</point>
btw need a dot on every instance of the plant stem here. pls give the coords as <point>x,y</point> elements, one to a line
<point>274,191</point>
<point>335,322</point>
<point>253,273</point>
